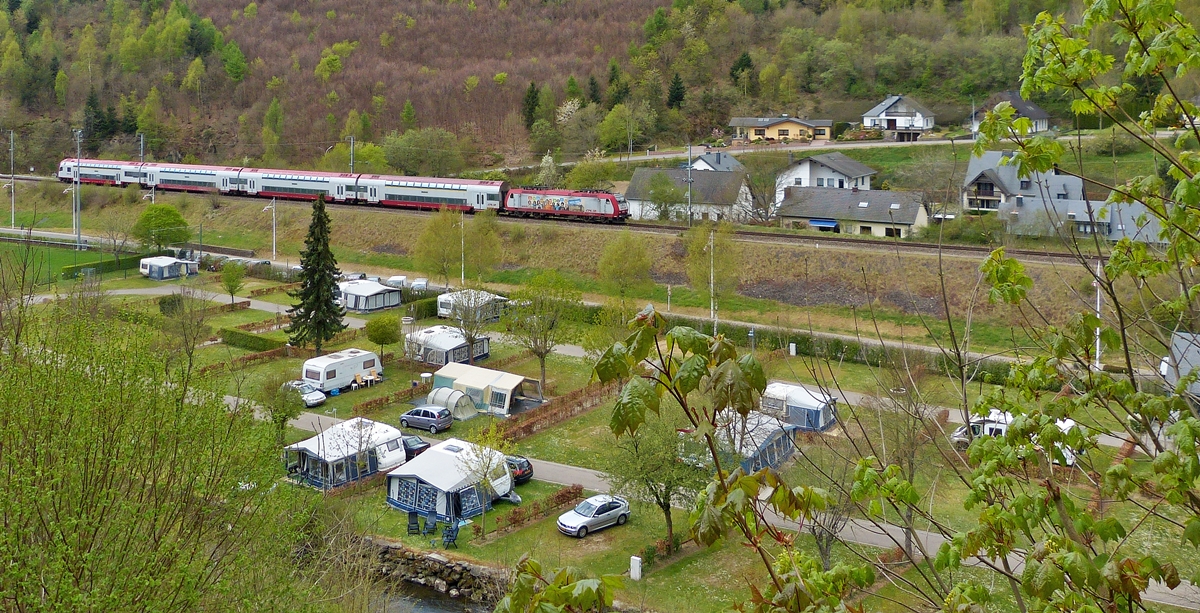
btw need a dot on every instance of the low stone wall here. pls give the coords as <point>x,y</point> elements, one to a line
<point>456,578</point>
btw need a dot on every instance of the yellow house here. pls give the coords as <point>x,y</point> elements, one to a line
<point>774,129</point>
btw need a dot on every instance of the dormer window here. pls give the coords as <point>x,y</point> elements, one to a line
<point>1025,184</point>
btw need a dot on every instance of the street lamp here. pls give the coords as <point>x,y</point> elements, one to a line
<point>272,208</point>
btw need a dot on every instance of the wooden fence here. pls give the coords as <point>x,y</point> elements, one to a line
<point>558,410</point>
<point>263,291</point>
<point>403,395</point>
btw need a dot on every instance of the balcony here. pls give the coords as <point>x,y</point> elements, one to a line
<point>982,204</point>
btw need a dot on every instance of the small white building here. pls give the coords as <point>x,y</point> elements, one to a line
<point>365,296</point>
<point>345,452</point>
<point>443,345</point>
<point>1022,107</point>
<point>716,194</point>
<point>828,170</point>
<point>451,304</point>
<point>799,406</point>
<point>491,391</point>
<point>900,117</point>
<point>447,480</point>
<point>164,267</point>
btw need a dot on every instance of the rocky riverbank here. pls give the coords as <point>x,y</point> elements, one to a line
<point>455,578</point>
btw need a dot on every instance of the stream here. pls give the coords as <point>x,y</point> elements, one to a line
<point>413,598</point>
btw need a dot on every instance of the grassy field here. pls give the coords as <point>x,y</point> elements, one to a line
<point>49,261</point>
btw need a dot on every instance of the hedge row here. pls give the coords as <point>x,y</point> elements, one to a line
<point>534,511</point>
<point>865,352</point>
<point>247,340</point>
<point>128,262</point>
<point>263,291</point>
<point>423,308</point>
<point>403,395</point>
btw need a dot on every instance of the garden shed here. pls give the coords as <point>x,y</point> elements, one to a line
<point>443,345</point>
<point>344,453</point>
<point>460,406</point>
<point>489,390</point>
<point>364,296</point>
<point>797,405</point>
<point>447,480</point>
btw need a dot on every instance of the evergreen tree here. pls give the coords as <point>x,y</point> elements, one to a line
<point>593,90</point>
<point>572,90</point>
<point>317,317</point>
<point>676,93</point>
<point>408,117</point>
<point>93,118</point>
<point>614,72</point>
<point>741,65</point>
<point>529,105</point>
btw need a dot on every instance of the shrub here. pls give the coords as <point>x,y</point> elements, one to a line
<point>128,261</point>
<point>649,553</point>
<point>247,340</point>
<point>1111,142</point>
<point>170,304</point>
<point>423,308</point>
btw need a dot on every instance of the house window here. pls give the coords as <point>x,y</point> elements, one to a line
<point>841,183</point>
<point>892,232</point>
<point>784,133</point>
<point>1061,196</point>
<point>800,182</point>
<point>760,132</point>
<point>820,182</point>
<point>1025,184</point>
<point>820,131</point>
<point>864,230</point>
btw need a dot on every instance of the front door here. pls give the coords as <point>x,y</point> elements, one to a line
<point>891,124</point>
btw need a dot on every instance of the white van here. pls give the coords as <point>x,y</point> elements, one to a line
<point>420,284</point>
<point>996,424</point>
<point>337,371</point>
<point>398,281</point>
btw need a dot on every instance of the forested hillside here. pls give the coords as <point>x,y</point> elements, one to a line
<point>443,86</point>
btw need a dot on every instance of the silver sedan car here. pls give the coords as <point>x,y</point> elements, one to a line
<point>593,514</point>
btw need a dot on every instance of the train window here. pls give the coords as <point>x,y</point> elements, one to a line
<point>493,197</point>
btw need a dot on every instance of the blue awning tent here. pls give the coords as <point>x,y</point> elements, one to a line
<point>823,223</point>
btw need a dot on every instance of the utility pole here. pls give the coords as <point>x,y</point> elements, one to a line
<point>462,245</point>
<point>1097,366</point>
<point>689,182</point>
<point>351,137</point>
<point>78,203</point>
<point>712,289</point>
<point>141,147</point>
<point>12,174</point>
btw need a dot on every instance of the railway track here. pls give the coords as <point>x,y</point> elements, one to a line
<point>816,240</point>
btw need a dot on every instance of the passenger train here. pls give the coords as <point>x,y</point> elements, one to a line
<point>349,188</point>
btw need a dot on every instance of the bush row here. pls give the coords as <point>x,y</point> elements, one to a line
<point>422,309</point>
<point>535,510</point>
<point>263,291</point>
<point>248,340</point>
<point>255,358</point>
<point>128,262</point>
<point>661,548</point>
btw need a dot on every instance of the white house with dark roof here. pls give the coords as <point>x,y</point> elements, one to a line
<point>900,117</point>
<point>828,170</point>
<point>1049,204</point>
<point>1023,108</point>
<point>781,128</point>
<point>717,160</point>
<point>880,213</point>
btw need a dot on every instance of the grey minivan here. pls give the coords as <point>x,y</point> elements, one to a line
<point>429,417</point>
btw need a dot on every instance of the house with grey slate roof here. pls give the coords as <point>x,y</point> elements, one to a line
<point>900,117</point>
<point>829,170</point>
<point>716,194</point>
<point>717,160</point>
<point>1049,204</point>
<point>1023,108</point>
<point>881,213</point>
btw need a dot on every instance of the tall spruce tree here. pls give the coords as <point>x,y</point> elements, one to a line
<point>530,104</point>
<point>593,90</point>
<point>676,93</point>
<point>317,317</point>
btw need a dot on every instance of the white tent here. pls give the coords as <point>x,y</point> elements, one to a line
<point>490,390</point>
<point>445,480</point>
<point>368,295</point>
<point>800,406</point>
<point>443,345</point>
<point>460,406</point>
<point>345,452</point>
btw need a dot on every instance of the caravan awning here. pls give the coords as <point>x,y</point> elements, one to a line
<point>823,223</point>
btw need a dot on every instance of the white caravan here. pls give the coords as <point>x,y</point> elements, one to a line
<point>337,371</point>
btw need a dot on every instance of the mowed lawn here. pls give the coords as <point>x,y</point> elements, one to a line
<point>48,262</point>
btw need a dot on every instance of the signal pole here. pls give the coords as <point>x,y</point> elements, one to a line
<point>351,137</point>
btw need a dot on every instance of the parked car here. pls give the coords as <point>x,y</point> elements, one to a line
<point>520,467</point>
<point>428,417</point>
<point>413,447</point>
<point>597,512</point>
<point>353,276</point>
<point>419,285</point>
<point>308,392</point>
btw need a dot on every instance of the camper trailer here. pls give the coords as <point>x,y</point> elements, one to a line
<point>799,406</point>
<point>487,304</point>
<point>997,424</point>
<point>348,368</point>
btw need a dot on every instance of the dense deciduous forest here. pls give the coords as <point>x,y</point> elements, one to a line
<point>481,83</point>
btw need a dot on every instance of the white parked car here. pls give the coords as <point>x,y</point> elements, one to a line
<point>420,284</point>
<point>308,392</point>
<point>600,511</point>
